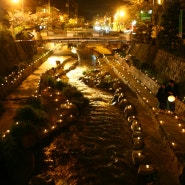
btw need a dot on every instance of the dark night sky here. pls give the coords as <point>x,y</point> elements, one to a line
<point>88,8</point>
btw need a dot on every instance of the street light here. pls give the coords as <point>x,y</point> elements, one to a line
<point>22,3</point>
<point>118,18</point>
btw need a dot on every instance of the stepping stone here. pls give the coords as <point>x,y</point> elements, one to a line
<point>137,134</point>
<point>138,157</point>
<point>145,169</point>
<point>138,144</point>
<point>136,126</point>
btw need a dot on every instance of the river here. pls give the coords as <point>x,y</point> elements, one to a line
<point>95,150</point>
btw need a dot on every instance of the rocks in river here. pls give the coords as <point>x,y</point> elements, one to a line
<point>129,110</point>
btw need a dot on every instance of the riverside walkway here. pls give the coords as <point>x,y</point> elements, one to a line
<point>170,127</point>
<point>27,88</point>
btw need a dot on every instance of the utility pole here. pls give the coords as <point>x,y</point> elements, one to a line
<point>49,7</point>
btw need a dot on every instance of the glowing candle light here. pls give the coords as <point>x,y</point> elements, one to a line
<point>147,166</point>
<point>161,121</point>
<point>183,130</point>
<point>180,125</point>
<point>171,98</point>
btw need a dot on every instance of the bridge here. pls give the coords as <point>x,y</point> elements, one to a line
<point>79,40</point>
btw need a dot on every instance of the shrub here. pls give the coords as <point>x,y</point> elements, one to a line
<point>21,130</point>
<point>34,102</point>
<point>48,81</point>
<point>29,113</point>
<point>60,85</point>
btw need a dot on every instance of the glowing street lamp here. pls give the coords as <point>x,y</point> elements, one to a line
<point>22,3</point>
<point>118,18</point>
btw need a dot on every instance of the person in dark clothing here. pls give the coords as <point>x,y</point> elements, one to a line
<point>172,90</point>
<point>162,97</point>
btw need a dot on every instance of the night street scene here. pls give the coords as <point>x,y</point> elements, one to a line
<point>92,92</point>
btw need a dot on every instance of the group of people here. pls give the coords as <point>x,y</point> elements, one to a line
<point>163,93</point>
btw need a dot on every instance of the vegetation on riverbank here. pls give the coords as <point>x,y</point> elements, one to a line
<point>55,104</point>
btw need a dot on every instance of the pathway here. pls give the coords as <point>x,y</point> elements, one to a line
<point>25,90</point>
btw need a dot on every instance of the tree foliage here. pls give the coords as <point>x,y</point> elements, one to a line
<point>169,22</point>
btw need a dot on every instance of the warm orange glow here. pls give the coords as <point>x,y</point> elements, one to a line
<point>15,1</point>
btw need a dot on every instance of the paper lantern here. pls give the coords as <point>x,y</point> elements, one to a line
<point>171,98</point>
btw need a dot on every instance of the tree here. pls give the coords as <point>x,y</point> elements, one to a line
<point>4,19</point>
<point>169,22</point>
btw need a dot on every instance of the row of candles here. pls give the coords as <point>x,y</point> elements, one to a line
<point>13,76</point>
<point>147,101</point>
<point>180,125</point>
<point>58,122</point>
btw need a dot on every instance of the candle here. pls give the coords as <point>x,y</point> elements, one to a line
<point>147,166</point>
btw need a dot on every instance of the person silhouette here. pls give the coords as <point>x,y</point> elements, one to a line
<point>162,96</point>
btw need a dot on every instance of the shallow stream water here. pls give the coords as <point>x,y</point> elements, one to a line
<point>95,150</point>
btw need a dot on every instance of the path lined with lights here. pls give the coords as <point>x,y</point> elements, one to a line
<point>170,127</point>
<point>25,90</point>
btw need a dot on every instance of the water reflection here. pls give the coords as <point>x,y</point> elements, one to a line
<point>97,149</point>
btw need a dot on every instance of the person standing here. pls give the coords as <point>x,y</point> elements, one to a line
<point>162,96</point>
<point>172,90</point>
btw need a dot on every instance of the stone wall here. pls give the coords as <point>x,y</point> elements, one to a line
<point>170,66</point>
<point>14,79</point>
<point>150,83</point>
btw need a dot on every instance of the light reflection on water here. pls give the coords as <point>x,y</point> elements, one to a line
<point>97,149</point>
